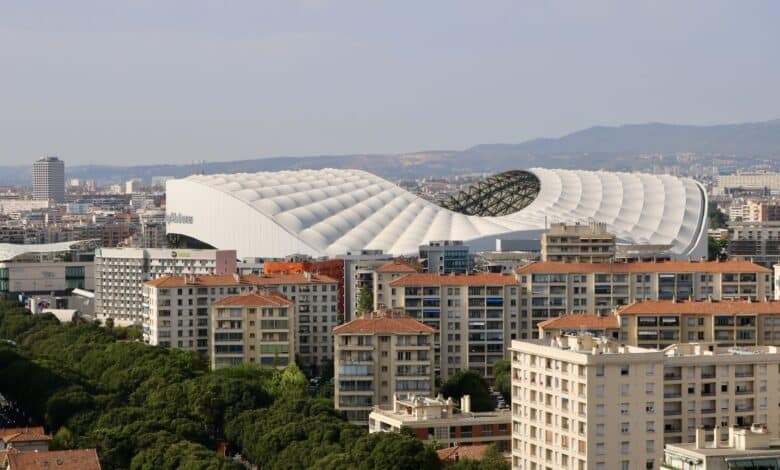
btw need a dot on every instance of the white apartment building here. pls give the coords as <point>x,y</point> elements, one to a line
<point>176,310</point>
<point>552,289</point>
<point>380,357</point>
<point>121,272</point>
<point>590,243</point>
<point>474,316</point>
<point>580,402</point>
<point>48,179</point>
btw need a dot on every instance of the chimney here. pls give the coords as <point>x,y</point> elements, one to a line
<point>699,438</point>
<point>466,408</point>
<point>716,437</point>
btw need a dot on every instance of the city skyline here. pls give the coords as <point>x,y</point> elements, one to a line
<point>149,82</point>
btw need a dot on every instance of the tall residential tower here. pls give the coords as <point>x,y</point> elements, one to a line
<point>48,179</point>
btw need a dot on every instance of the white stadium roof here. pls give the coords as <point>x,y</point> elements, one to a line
<point>329,212</point>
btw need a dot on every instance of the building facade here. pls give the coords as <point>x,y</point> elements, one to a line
<point>474,316</point>
<point>440,421</point>
<point>577,243</point>
<point>252,328</point>
<point>758,242</point>
<point>121,272</point>
<point>550,289</point>
<point>48,179</point>
<point>445,257</point>
<point>588,403</point>
<point>378,357</point>
<point>176,310</point>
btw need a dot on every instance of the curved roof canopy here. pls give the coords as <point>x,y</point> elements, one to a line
<point>329,212</point>
<point>9,251</point>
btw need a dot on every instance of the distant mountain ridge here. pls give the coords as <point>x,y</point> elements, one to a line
<point>599,147</point>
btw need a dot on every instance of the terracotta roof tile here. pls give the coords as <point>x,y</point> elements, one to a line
<point>576,321</point>
<point>702,307</point>
<point>396,266</point>
<point>77,459</point>
<point>255,299</point>
<point>479,279</point>
<point>382,322</point>
<point>732,266</point>
<point>453,454</point>
<point>29,434</point>
<point>247,279</point>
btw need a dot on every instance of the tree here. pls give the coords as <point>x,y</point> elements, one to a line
<point>717,217</point>
<point>469,383</point>
<point>717,249</point>
<point>365,300</point>
<point>491,460</point>
<point>502,371</point>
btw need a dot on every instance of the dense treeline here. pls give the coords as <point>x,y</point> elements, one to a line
<point>146,407</point>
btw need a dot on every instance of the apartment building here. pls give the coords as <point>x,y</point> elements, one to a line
<point>580,402</point>
<point>48,179</point>
<point>379,357</point>
<point>359,267</point>
<point>474,316</point>
<point>382,276</point>
<point>551,289</point>
<point>121,272</point>
<point>586,243</point>
<point>176,310</point>
<point>252,328</point>
<point>441,421</point>
<point>445,257</point>
<point>755,241</point>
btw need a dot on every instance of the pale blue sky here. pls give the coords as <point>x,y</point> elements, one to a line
<point>176,81</point>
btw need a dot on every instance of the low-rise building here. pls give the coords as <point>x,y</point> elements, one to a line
<point>440,421</point>
<point>380,356</point>
<point>758,242</point>
<point>584,402</point>
<point>27,439</point>
<point>252,328</point>
<point>445,257</point>
<point>747,448</point>
<point>76,459</point>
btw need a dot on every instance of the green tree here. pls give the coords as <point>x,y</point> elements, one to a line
<point>502,371</point>
<point>469,383</point>
<point>718,218</point>
<point>365,300</point>
<point>491,460</point>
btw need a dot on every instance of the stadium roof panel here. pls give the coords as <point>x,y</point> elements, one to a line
<point>331,211</point>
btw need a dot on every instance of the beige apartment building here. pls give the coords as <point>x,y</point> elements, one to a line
<point>474,316</point>
<point>252,328</point>
<point>176,310</point>
<point>586,243</point>
<point>747,448</point>
<point>380,357</point>
<point>662,323</point>
<point>383,293</point>
<point>580,402</point>
<point>552,289</point>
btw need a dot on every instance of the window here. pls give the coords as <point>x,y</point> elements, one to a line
<point>625,447</point>
<point>649,388</point>
<point>649,369</point>
<point>599,410</point>
<point>649,407</point>
<point>624,428</point>
<point>650,426</point>
<point>624,408</point>
<point>624,389</point>
<point>599,390</point>
<point>600,429</point>
<point>599,371</point>
<point>600,448</point>
<point>624,370</point>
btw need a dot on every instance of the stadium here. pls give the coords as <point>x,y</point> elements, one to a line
<point>330,212</point>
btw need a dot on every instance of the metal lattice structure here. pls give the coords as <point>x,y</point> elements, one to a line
<point>501,194</point>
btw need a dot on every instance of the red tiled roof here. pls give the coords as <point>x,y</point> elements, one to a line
<point>576,321</point>
<point>29,434</point>
<point>255,299</point>
<point>453,454</point>
<point>701,307</point>
<point>396,266</point>
<point>381,322</point>
<point>247,279</point>
<point>732,266</point>
<point>430,279</point>
<point>77,459</point>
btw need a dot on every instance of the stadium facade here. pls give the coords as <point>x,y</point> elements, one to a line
<point>330,212</point>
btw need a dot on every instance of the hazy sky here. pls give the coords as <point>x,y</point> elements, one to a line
<point>176,81</point>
